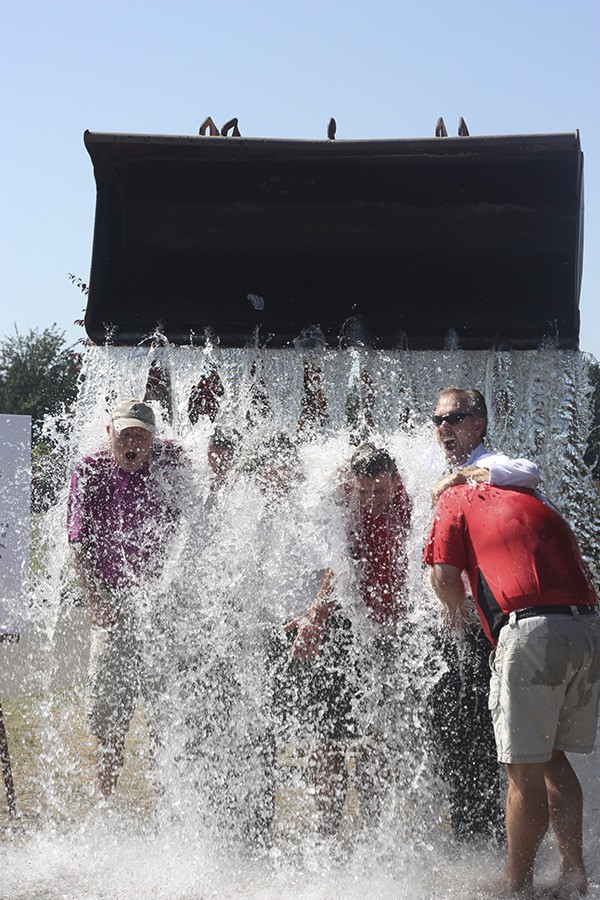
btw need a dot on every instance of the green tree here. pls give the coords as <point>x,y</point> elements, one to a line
<point>38,374</point>
<point>592,456</point>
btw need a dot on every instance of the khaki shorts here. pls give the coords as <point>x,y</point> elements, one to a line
<point>114,680</point>
<point>545,687</point>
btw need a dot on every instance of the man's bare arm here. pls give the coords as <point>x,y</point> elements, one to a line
<point>472,474</point>
<point>446,581</point>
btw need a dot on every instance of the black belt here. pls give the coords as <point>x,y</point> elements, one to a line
<point>530,611</point>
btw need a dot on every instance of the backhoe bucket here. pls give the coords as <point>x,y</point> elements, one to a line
<point>261,239</point>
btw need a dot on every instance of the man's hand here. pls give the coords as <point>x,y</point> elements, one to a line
<point>97,600</point>
<point>456,619</point>
<point>310,637</point>
<point>102,612</point>
<point>462,476</point>
<point>311,627</point>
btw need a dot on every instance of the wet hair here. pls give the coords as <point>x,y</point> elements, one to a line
<point>369,461</point>
<point>477,404</point>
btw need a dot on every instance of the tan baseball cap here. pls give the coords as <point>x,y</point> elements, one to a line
<point>133,414</point>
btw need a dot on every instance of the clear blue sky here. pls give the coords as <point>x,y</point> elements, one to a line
<point>382,69</point>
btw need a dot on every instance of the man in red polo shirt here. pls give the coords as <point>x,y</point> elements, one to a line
<point>538,608</point>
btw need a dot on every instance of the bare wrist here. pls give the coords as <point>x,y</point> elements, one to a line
<point>317,614</point>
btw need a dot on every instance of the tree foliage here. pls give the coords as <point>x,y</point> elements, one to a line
<point>592,456</point>
<point>38,374</point>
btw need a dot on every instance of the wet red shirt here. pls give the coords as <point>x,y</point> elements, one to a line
<point>516,550</point>
<point>378,546</point>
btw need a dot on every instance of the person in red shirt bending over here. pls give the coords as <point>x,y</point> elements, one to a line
<point>377,510</point>
<point>539,611</point>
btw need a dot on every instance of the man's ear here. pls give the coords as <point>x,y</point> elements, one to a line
<point>108,430</point>
<point>480,426</point>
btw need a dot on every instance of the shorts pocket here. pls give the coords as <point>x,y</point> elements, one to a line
<point>494,696</point>
<point>543,662</point>
<point>495,681</point>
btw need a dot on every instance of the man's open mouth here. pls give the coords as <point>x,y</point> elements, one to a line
<point>130,455</point>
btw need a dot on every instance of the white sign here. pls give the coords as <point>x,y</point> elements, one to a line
<point>15,494</point>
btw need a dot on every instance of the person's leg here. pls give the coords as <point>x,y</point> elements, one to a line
<point>527,820</point>
<point>328,692</point>
<point>448,748</point>
<point>111,692</point>
<point>479,782</point>
<point>327,773</point>
<point>463,735</point>
<point>565,803</point>
<point>158,695</point>
<point>535,707</point>
<point>263,733</point>
<point>264,773</point>
<point>109,759</point>
<point>373,778</point>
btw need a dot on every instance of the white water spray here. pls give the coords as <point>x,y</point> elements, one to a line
<point>194,838</point>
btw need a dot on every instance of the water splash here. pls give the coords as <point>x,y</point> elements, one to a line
<point>196,836</point>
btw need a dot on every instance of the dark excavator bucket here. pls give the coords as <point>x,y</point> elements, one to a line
<point>405,239</point>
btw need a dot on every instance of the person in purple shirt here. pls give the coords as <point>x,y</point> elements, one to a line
<point>124,506</point>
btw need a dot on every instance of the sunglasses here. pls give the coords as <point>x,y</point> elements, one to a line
<point>451,419</point>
